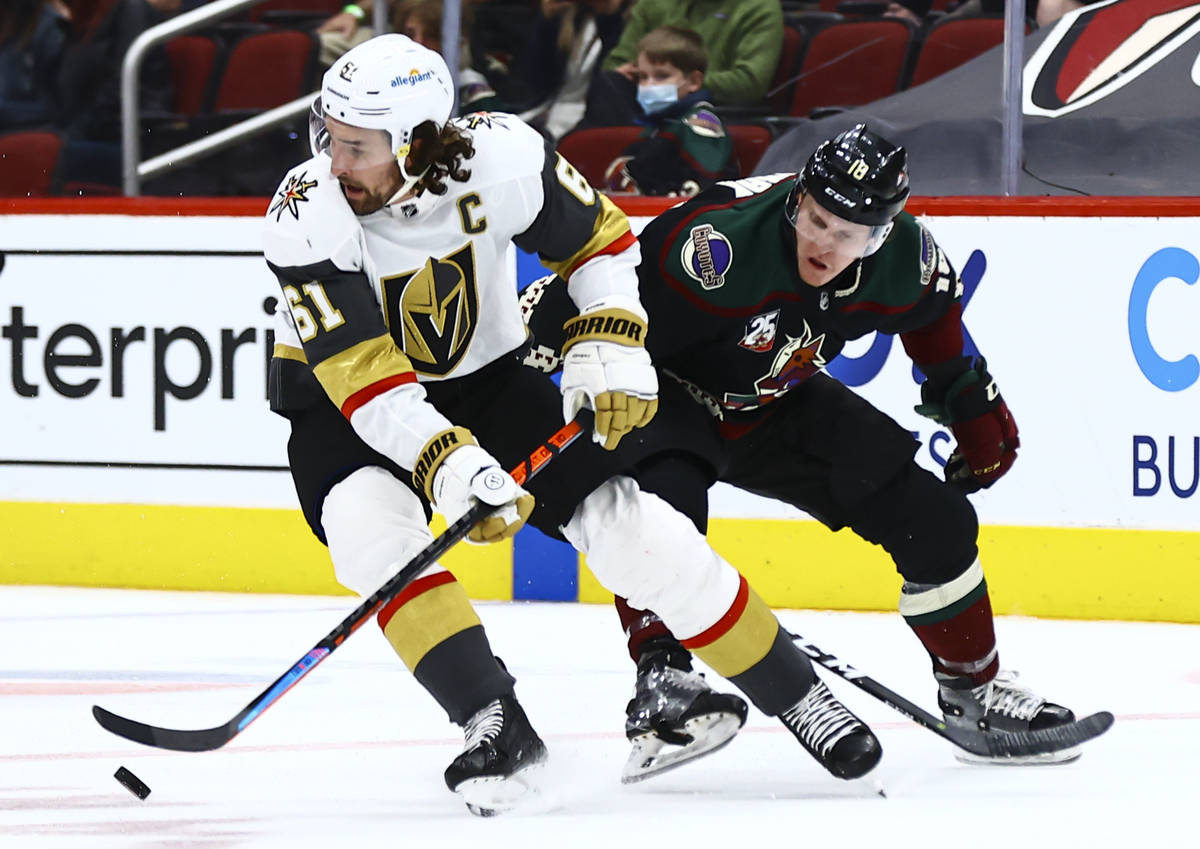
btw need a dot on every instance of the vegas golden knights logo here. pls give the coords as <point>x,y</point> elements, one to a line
<point>432,312</point>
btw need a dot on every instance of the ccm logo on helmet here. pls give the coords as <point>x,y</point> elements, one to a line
<point>414,77</point>
<point>840,198</point>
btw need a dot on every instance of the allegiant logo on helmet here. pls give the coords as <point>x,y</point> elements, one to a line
<point>414,76</point>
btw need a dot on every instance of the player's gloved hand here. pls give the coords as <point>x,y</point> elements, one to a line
<point>606,368</point>
<point>454,473</point>
<point>986,433</point>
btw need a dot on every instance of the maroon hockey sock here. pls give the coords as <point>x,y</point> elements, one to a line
<point>960,637</point>
<point>640,626</point>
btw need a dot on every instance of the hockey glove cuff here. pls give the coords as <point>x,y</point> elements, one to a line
<point>454,472</point>
<point>971,406</point>
<point>607,369</point>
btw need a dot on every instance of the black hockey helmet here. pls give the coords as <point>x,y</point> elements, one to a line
<point>858,175</point>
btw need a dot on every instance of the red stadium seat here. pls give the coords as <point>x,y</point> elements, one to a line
<point>27,163</point>
<point>592,151</point>
<point>779,93</point>
<point>192,59</point>
<point>750,142</point>
<point>852,62</point>
<point>268,69</point>
<point>950,43</point>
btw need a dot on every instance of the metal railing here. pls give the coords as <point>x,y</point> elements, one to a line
<point>131,142</point>
<point>133,170</point>
<point>1012,119</point>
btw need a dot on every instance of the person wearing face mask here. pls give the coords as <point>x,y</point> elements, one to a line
<point>743,39</point>
<point>684,147</point>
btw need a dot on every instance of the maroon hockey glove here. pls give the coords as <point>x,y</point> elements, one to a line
<point>972,408</point>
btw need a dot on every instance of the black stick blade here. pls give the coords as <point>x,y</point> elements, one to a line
<point>1019,744</point>
<point>204,740</point>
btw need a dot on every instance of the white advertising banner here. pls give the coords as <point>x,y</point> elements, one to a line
<point>1089,327</point>
<point>133,357</point>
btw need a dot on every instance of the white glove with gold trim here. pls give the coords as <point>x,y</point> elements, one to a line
<point>454,472</point>
<point>606,368</point>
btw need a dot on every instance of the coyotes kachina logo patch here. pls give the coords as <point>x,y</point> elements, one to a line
<point>433,312</point>
<point>799,359</point>
<point>291,196</point>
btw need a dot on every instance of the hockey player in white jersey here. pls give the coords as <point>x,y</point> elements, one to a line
<point>398,365</point>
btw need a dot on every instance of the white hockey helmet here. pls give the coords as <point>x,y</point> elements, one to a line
<point>387,83</point>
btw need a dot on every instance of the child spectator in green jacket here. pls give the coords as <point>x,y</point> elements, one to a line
<point>684,147</point>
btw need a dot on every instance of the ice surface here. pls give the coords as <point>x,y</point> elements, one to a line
<point>353,756</point>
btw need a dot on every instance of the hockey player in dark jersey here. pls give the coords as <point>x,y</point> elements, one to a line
<point>398,366</point>
<point>752,287</point>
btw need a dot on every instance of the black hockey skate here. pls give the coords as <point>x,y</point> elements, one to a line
<point>839,740</point>
<point>500,758</point>
<point>674,716</point>
<point>1001,706</point>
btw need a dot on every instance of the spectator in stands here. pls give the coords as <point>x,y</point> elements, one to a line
<point>421,20</point>
<point>352,26</point>
<point>913,11</point>
<point>549,79</point>
<point>1049,11</point>
<point>348,28</point>
<point>1041,12</point>
<point>31,45</point>
<point>89,81</point>
<point>743,37</point>
<point>684,148</point>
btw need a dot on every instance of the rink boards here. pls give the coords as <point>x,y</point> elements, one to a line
<point>137,449</point>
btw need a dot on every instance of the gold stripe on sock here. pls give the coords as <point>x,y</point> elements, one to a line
<point>438,610</point>
<point>741,638</point>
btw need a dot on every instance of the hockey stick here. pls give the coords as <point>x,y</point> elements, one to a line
<point>1000,744</point>
<point>204,740</point>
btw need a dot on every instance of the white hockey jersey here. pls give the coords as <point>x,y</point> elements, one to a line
<point>423,289</point>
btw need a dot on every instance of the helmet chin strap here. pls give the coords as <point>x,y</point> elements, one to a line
<point>407,181</point>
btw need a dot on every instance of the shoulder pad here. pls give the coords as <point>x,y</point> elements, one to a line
<point>748,186</point>
<point>506,148</point>
<point>912,236</point>
<point>309,221</point>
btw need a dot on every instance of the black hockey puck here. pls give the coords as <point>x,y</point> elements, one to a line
<point>131,783</point>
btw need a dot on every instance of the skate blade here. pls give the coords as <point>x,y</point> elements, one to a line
<point>651,756</point>
<point>868,785</point>
<point>1065,756</point>
<point>488,796</point>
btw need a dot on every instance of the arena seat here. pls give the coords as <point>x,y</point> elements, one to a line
<point>952,42</point>
<point>852,62</point>
<point>27,163</point>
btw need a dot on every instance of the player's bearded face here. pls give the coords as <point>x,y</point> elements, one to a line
<point>364,165</point>
<point>825,243</point>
